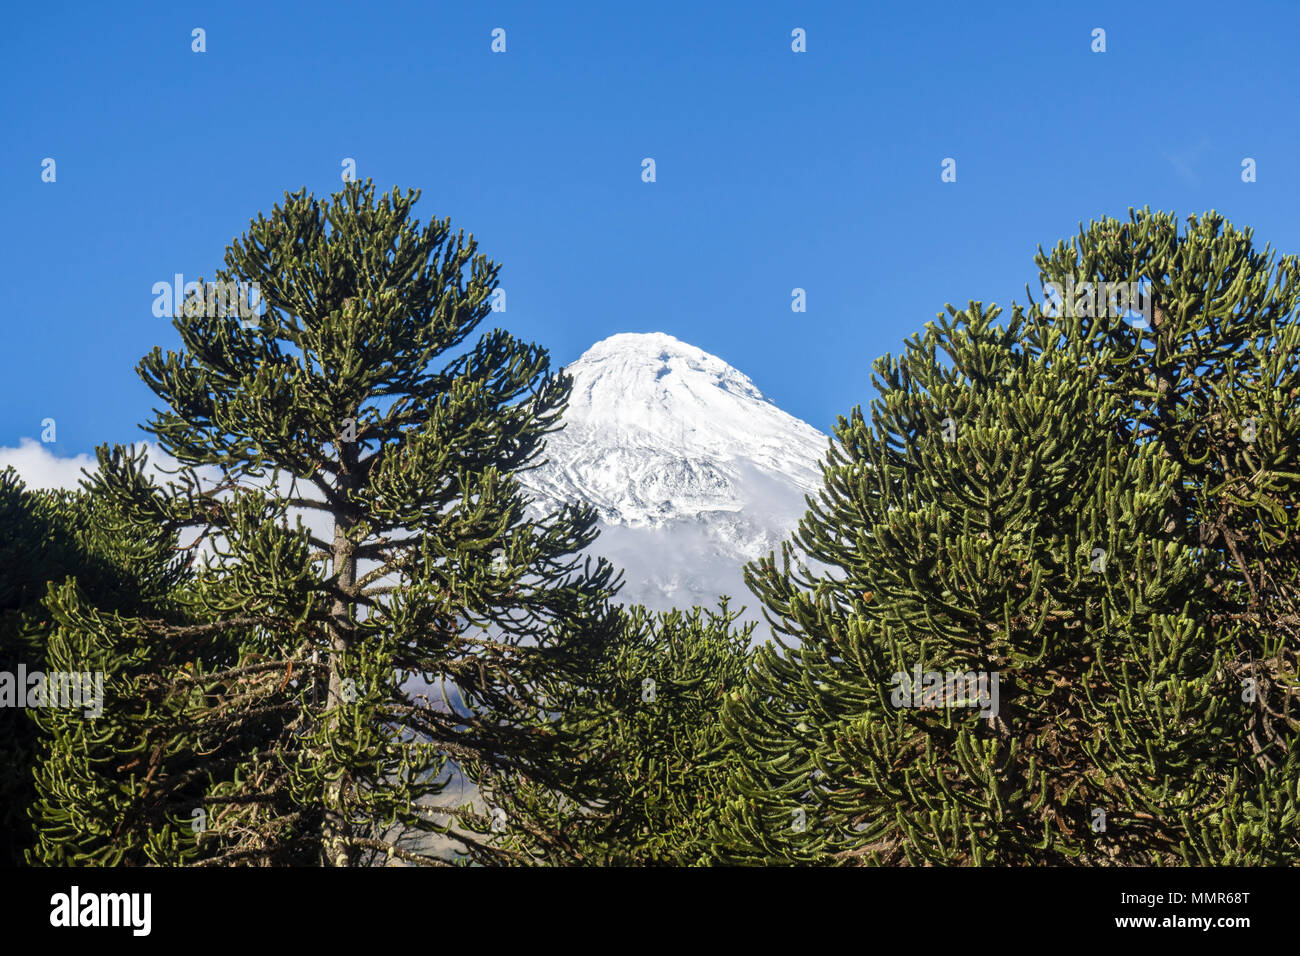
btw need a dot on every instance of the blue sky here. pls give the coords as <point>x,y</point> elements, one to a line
<point>775,170</point>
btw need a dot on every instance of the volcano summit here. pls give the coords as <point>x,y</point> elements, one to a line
<point>692,470</point>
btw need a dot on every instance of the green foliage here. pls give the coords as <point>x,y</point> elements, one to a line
<point>49,540</point>
<point>642,731</point>
<point>1070,503</point>
<point>34,549</point>
<point>1100,512</point>
<point>282,698</point>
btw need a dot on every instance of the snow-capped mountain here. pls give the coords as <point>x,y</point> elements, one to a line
<point>692,471</point>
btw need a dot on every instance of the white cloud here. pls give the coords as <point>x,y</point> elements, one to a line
<point>39,467</point>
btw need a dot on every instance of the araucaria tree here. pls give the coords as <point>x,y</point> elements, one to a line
<point>650,753</point>
<point>346,464</point>
<point>47,537</point>
<point>1094,505</point>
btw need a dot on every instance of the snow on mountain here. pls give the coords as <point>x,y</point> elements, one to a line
<point>691,470</point>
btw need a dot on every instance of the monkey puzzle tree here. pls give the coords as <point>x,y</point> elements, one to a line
<point>117,783</point>
<point>36,547</point>
<point>30,542</point>
<point>53,544</point>
<point>408,612</point>
<point>1028,502</point>
<point>650,748</point>
<point>1212,370</point>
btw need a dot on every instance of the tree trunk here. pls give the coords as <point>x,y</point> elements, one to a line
<point>334,834</point>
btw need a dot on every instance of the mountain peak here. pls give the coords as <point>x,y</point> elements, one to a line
<point>652,346</point>
<point>651,384</point>
<point>691,469</point>
<point>642,341</point>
